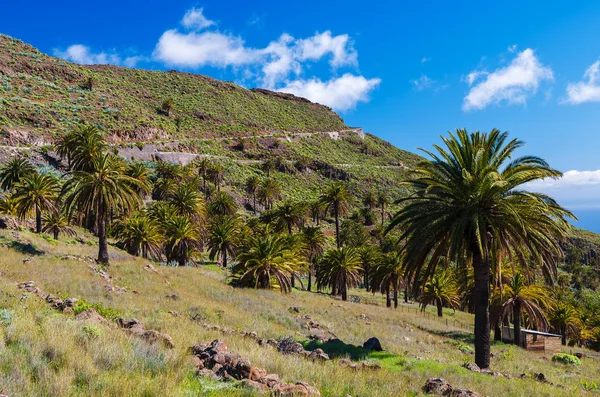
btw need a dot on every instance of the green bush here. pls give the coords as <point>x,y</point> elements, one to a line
<point>466,349</point>
<point>566,359</point>
<point>107,312</point>
<point>91,331</point>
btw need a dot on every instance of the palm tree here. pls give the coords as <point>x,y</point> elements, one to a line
<point>440,290</point>
<point>339,269</point>
<point>222,204</point>
<point>8,206</point>
<point>251,187</point>
<point>388,277</point>
<point>565,319</point>
<point>382,201</point>
<point>223,237</point>
<point>56,223</point>
<point>267,261</point>
<point>187,201</point>
<point>183,237</point>
<point>336,198</point>
<point>467,203</point>
<point>268,192</point>
<point>314,242</point>
<point>99,191</point>
<point>288,214</point>
<point>216,175</point>
<point>13,172</point>
<point>267,166</point>
<point>140,235</point>
<point>37,193</point>
<point>517,296</point>
<point>316,210</point>
<point>370,256</point>
<point>204,167</point>
<point>369,200</point>
<point>81,147</point>
<point>140,172</point>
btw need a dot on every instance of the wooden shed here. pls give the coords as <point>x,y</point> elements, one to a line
<point>537,341</point>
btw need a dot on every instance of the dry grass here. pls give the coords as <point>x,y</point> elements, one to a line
<point>43,352</point>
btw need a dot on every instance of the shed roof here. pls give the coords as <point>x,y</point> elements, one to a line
<point>530,331</point>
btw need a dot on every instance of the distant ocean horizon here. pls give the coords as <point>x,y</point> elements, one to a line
<point>588,219</point>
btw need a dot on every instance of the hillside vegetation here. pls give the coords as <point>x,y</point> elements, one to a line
<point>45,352</point>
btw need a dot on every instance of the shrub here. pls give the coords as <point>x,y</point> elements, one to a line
<point>566,359</point>
<point>466,349</point>
<point>589,386</point>
<point>105,311</point>
<point>91,331</point>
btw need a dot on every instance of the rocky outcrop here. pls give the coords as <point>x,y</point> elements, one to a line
<point>440,387</point>
<point>134,327</point>
<point>215,361</point>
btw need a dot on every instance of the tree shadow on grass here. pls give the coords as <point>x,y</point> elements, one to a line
<point>336,348</point>
<point>456,335</point>
<point>25,248</point>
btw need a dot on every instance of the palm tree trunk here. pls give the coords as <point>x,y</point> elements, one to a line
<point>224,257</point>
<point>388,299</point>
<point>144,252</point>
<point>337,225</point>
<point>102,240</point>
<point>38,219</point>
<point>395,296</point>
<point>481,298</point>
<point>498,333</point>
<point>406,294</point>
<point>55,234</point>
<point>382,212</point>
<point>293,280</point>
<point>563,332</point>
<point>517,322</point>
<point>438,303</point>
<point>254,202</point>
<point>344,292</point>
<point>310,271</point>
<point>366,278</point>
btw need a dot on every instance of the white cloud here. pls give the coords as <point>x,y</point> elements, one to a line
<point>81,54</point>
<point>341,93</point>
<point>195,19</point>
<point>512,84</point>
<point>587,90</point>
<point>321,44</point>
<point>199,49</point>
<point>571,179</point>
<point>425,60</point>
<point>423,83</point>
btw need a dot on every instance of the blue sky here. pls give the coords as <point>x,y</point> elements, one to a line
<point>406,71</point>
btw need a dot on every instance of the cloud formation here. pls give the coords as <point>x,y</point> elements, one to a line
<point>587,90</point>
<point>512,84</point>
<point>341,93</point>
<point>281,65</point>
<point>195,19</point>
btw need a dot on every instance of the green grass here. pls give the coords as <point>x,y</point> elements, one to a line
<point>43,352</point>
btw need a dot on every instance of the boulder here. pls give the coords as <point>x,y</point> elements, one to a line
<point>440,387</point>
<point>318,354</point>
<point>472,367</point>
<point>373,344</point>
<point>90,315</point>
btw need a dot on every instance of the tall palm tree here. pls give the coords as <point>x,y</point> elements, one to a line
<point>216,175</point>
<point>251,187</point>
<point>56,223</point>
<point>370,257</point>
<point>13,172</point>
<point>369,199</point>
<point>140,172</point>
<point>204,167</point>
<point>223,237</point>
<point>314,243</point>
<point>268,192</point>
<point>183,237</point>
<point>99,191</point>
<point>339,269</point>
<point>37,193</point>
<point>81,147</point>
<point>440,290</point>
<point>222,204</point>
<point>266,262</point>
<point>336,198</point>
<point>316,210</point>
<point>565,319</point>
<point>388,277</point>
<point>140,235</point>
<point>468,203</point>
<point>518,296</point>
<point>382,201</point>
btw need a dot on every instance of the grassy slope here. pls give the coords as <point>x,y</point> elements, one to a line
<point>46,353</point>
<point>43,93</point>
